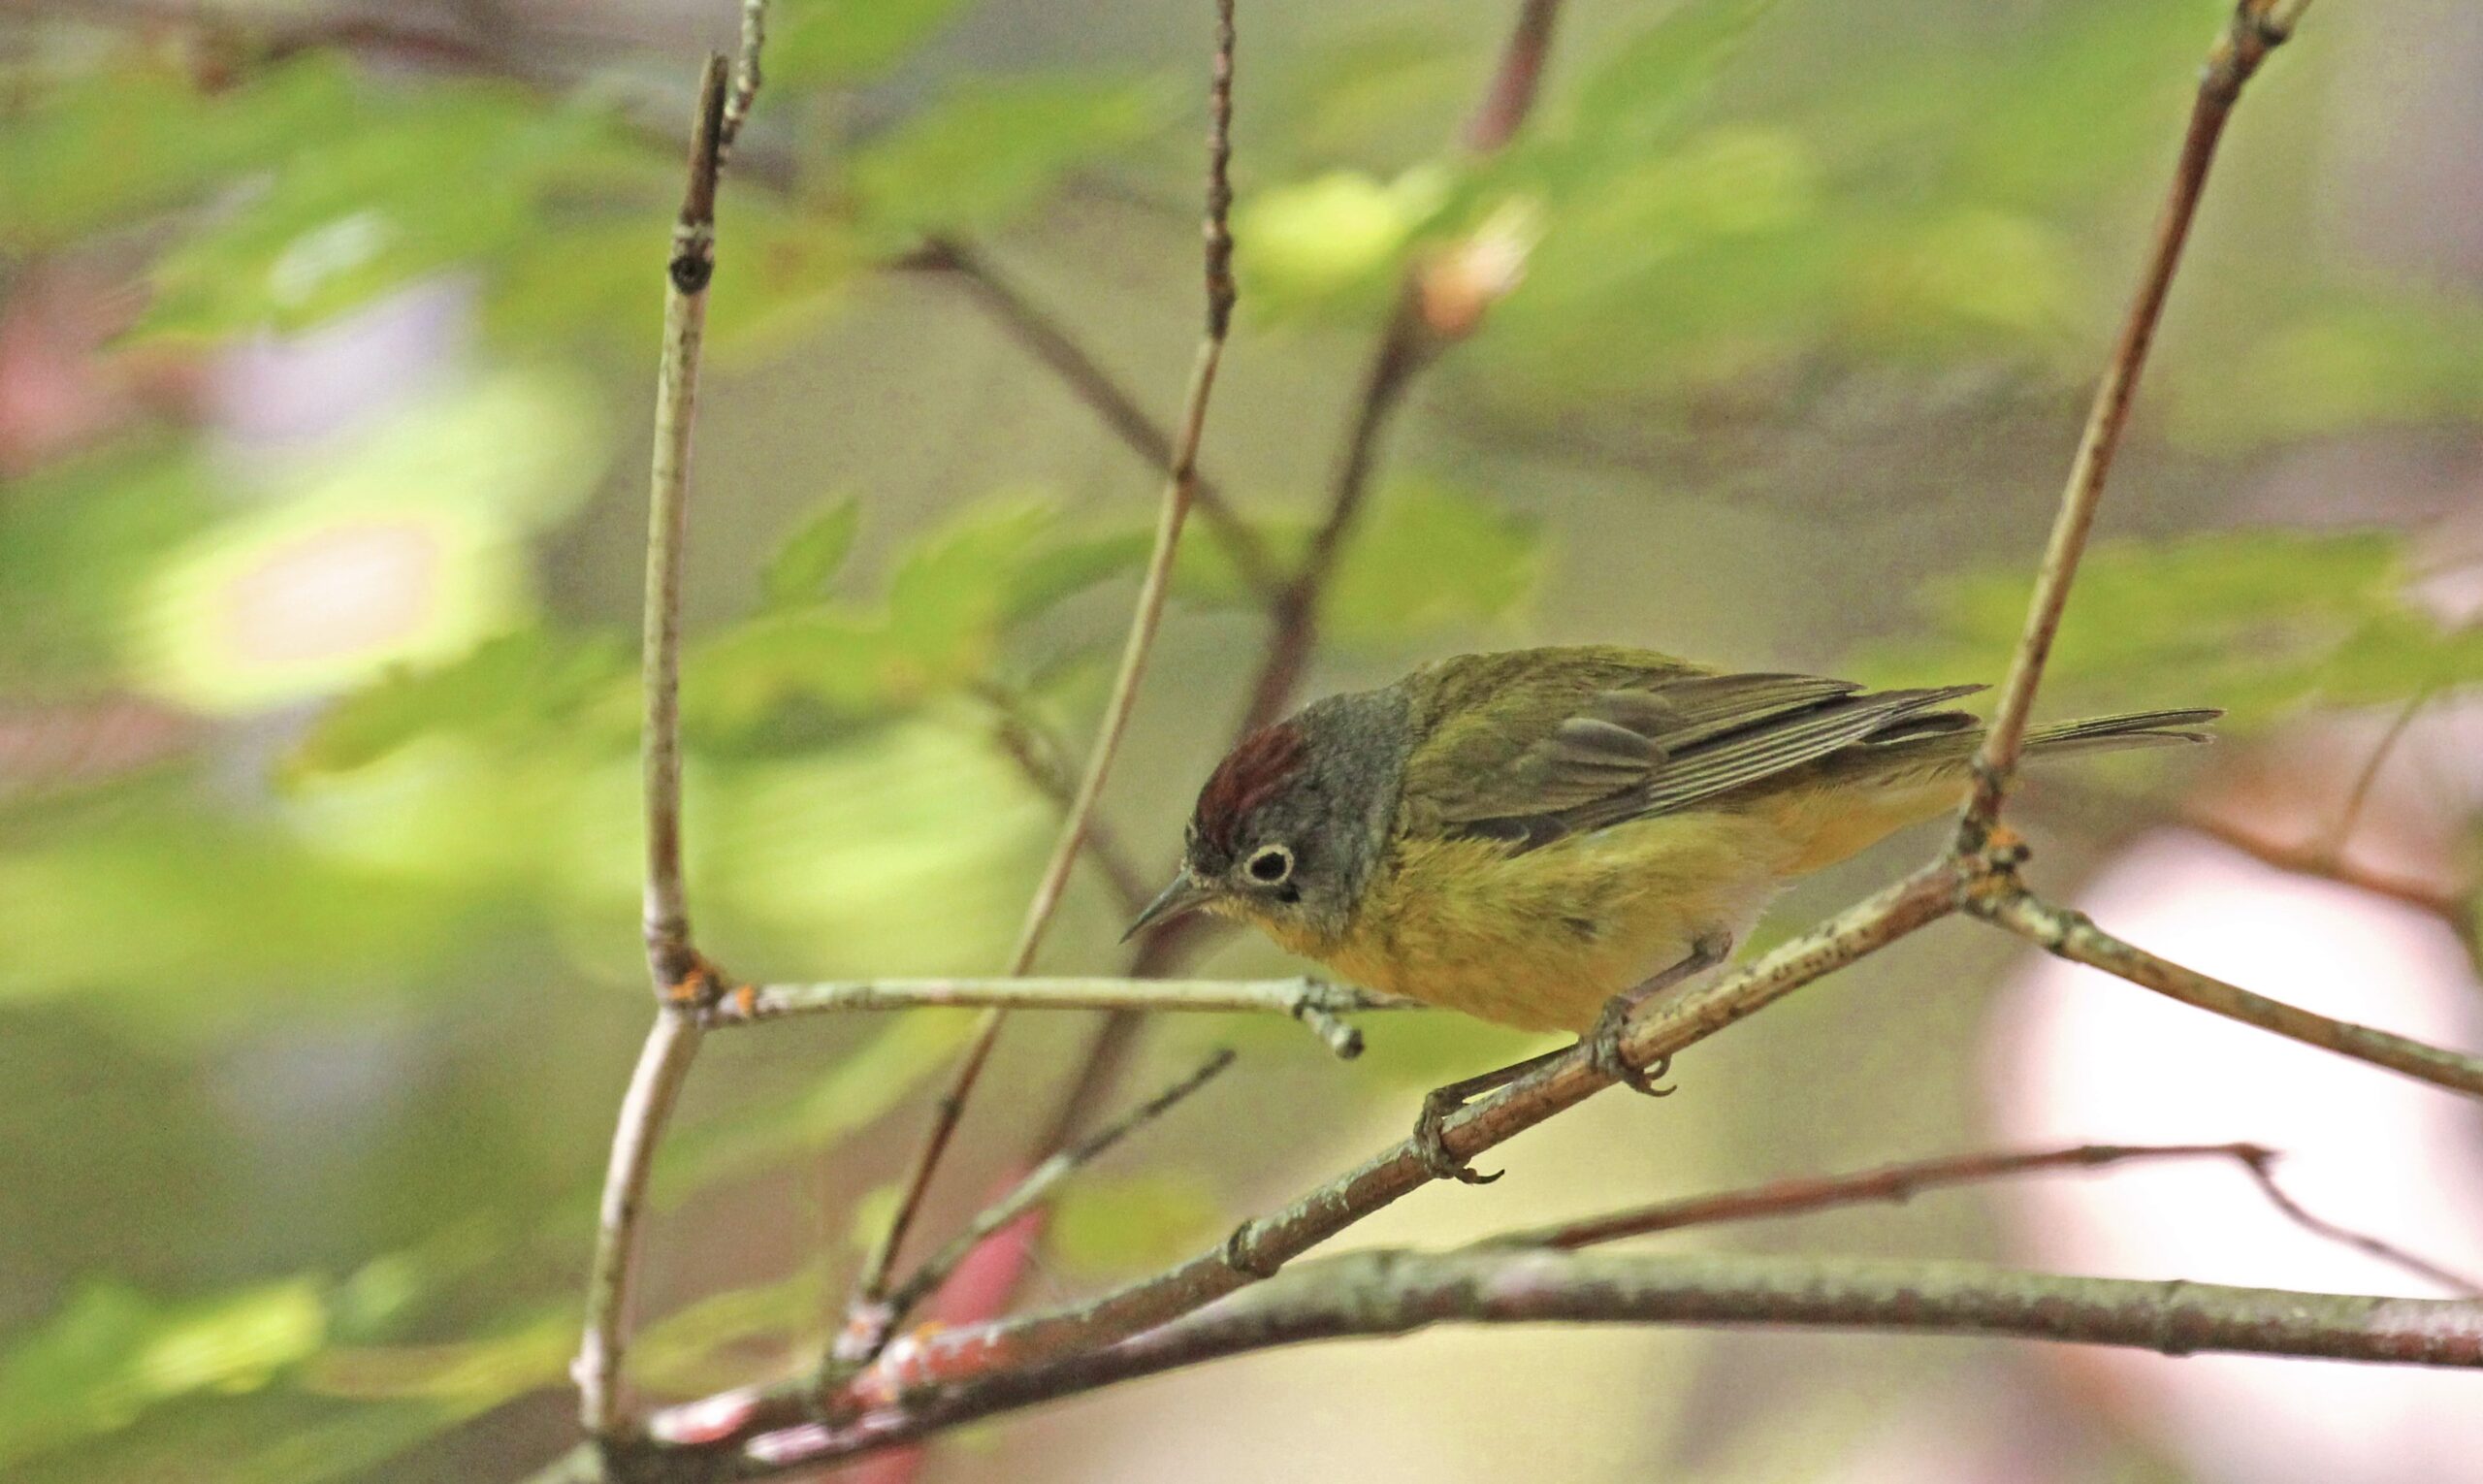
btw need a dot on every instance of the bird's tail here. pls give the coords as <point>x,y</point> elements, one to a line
<point>2131,729</point>
<point>1920,769</point>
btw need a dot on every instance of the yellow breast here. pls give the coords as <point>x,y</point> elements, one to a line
<point>1540,940</point>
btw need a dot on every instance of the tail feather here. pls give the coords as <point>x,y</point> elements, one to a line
<point>2130,729</point>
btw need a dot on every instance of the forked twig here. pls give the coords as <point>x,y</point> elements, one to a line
<point>2256,28</point>
<point>1382,1293</point>
<point>1033,1190</point>
<point>1042,338</point>
<point>1181,489</point>
<point>1900,1182</point>
<point>1315,1003</point>
<point>681,979</point>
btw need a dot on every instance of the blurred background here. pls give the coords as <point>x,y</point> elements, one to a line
<point>326,335</point>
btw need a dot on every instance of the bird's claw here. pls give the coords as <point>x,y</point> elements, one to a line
<point>1431,1142</point>
<point>1603,1052</point>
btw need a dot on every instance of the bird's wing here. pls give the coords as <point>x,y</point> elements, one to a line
<point>1530,753</point>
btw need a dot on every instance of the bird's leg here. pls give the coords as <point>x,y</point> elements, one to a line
<point>1440,1101</point>
<point>1602,1048</point>
<point>1603,1043</point>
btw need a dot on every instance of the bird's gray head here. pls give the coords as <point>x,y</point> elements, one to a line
<point>1288,826</point>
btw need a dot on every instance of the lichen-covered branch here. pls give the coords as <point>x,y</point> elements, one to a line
<point>1381,1294</point>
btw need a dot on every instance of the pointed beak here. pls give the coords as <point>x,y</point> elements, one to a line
<point>1187,893</point>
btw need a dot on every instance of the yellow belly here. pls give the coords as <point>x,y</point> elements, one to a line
<point>1539,941</point>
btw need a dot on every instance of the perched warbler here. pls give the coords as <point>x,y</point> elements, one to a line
<point>1547,837</point>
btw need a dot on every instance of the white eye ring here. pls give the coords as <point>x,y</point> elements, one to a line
<point>1270,865</point>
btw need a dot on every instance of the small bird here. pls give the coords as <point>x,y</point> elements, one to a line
<point>1546,838</point>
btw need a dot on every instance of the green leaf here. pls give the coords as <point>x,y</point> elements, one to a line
<point>1117,1225</point>
<point>125,142</point>
<point>812,556</point>
<point>2252,621</point>
<point>1429,556</point>
<point>1337,241</point>
<point>986,155</point>
<point>2350,362</point>
<point>952,599</point>
<point>77,543</point>
<point>1640,90</point>
<point>417,183</point>
<point>530,680</point>
<point>112,1353</point>
<point>848,41</point>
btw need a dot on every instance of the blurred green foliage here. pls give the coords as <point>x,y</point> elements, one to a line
<point>421,815</point>
<point>2263,621</point>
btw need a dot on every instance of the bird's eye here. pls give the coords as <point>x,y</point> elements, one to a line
<point>1269,864</point>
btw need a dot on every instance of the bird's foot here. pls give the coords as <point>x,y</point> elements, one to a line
<point>1603,1050</point>
<point>1602,1044</point>
<point>1431,1140</point>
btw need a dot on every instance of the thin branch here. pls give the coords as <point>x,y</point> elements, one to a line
<point>1510,97</point>
<point>1387,1293</point>
<point>2341,834</point>
<point>1036,1188</point>
<point>1901,1182</point>
<point>1406,344</point>
<point>1258,1248</point>
<point>1180,490</point>
<point>2074,936</point>
<point>2256,27</point>
<point>746,72</point>
<point>1042,338</point>
<point>692,267</point>
<point>2318,861</point>
<point>1293,605</point>
<point>1313,1002</point>
<point>679,976</point>
<point>2385,1251</point>
<point>1044,759</point>
<point>1404,347</point>
<point>1895,1183</point>
<point>664,1067</point>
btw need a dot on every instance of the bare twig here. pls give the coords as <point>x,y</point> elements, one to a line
<point>2074,936</point>
<point>1044,759</point>
<point>2257,27</point>
<point>746,74</point>
<point>1406,344</point>
<point>1901,1182</point>
<point>1389,1293</point>
<point>1313,1002</point>
<point>2341,834</point>
<point>692,267</point>
<point>2386,1251</point>
<point>681,980</point>
<point>663,1066</point>
<point>1258,1248</point>
<point>1033,1190</point>
<point>1510,97</point>
<point>2318,860</point>
<point>1042,338</point>
<point>1181,489</point>
<point>1889,1183</point>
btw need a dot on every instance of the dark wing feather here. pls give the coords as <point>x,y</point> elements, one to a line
<point>1577,740</point>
